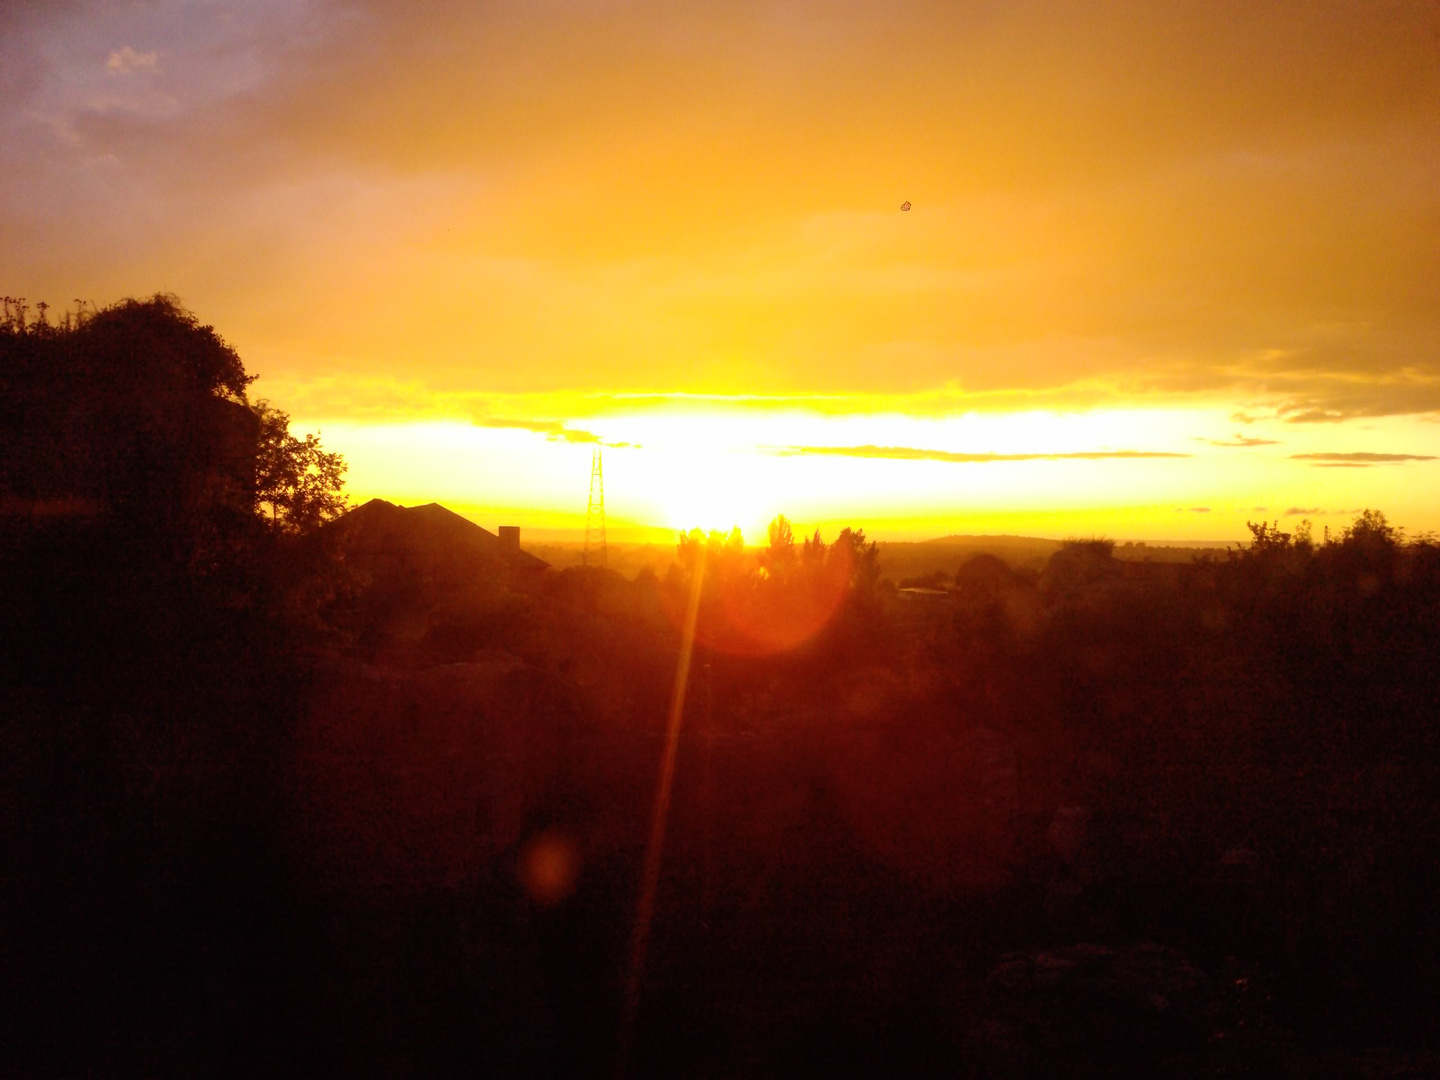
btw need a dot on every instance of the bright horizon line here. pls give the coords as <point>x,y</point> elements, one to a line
<point>630,533</point>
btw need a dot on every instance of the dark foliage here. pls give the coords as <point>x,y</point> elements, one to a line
<point>139,410</point>
<point>298,486</point>
<point>159,640</point>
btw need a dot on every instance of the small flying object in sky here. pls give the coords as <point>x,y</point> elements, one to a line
<point>905,205</point>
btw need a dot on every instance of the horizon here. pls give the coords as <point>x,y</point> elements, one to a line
<point>639,535</point>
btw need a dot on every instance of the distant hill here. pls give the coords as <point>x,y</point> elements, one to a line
<point>901,561</point>
<point>1006,540</point>
<point>998,540</point>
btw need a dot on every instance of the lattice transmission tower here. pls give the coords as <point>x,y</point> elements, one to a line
<point>595,515</point>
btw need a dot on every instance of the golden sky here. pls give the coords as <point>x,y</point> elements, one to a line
<point>1168,267</point>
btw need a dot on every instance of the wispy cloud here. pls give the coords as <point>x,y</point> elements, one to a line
<point>911,453</point>
<point>1359,459</point>
<point>1316,416</point>
<point>554,430</point>
<point>127,61</point>
<point>1304,511</point>
<point>1240,440</point>
<point>1192,509</point>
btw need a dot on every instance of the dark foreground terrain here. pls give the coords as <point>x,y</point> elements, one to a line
<point>292,793</point>
<point>1099,819</point>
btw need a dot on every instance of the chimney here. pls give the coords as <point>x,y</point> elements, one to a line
<point>509,539</point>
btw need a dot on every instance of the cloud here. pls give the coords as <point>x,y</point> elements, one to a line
<point>1316,416</point>
<point>127,61</point>
<point>554,430</point>
<point>1361,458</point>
<point>1240,440</point>
<point>551,429</point>
<point>911,453</point>
<point>1399,377</point>
<point>1330,397</point>
<point>1192,510</point>
<point>1305,511</point>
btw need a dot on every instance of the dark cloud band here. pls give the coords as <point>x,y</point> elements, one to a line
<point>1361,458</point>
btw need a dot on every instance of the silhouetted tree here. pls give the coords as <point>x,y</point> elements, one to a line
<point>1371,531</point>
<point>858,562</point>
<point>139,409</point>
<point>1305,536</point>
<point>1266,538</point>
<point>298,485</point>
<point>812,552</point>
<point>723,551</point>
<point>778,559</point>
<point>160,337</point>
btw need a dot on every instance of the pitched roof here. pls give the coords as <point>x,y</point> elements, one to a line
<point>429,532</point>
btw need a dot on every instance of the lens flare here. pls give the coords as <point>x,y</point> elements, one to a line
<point>788,606</point>
<point>549,867</point>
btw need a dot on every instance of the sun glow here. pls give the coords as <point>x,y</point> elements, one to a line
<point>713,491</point>
<point>473,246</point>
<point>675,466</point>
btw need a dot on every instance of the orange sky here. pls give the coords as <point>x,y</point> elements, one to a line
<point>1167,264</point>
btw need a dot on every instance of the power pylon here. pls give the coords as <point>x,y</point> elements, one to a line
<point>595,514</point>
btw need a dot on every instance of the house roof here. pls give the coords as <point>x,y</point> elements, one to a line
<point>431,532</point>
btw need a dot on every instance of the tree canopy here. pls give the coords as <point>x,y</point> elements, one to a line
<point>141,408</point>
